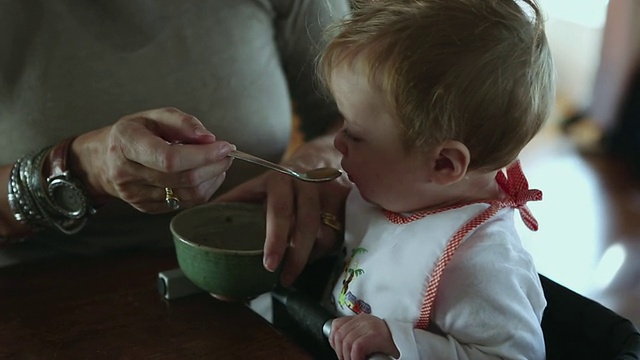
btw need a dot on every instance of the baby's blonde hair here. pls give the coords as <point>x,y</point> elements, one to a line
<point>476,71</point>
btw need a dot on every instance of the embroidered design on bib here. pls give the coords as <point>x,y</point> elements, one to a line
<point>350,272</point>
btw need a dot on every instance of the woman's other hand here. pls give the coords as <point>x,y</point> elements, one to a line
<point>294,209</point>
<point>134,160</point>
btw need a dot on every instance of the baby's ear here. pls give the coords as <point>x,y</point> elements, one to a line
<point>451,162</point>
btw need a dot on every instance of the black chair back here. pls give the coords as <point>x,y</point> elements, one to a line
<point>576,327</point>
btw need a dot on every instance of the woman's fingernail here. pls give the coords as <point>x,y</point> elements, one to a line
<point>202,132</point>
<point>271,262</point>
<point>225,149</point>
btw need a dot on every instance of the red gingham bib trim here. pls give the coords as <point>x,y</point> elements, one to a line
<point>400,219</point>
<point>516,187</point>
<point>452,246</point>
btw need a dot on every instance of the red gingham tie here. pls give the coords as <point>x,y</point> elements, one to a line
<point>517,188</point>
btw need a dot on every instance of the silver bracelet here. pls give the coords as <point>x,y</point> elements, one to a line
<point>29,200</point>
<point>14,195</point>
<point>21,200</point>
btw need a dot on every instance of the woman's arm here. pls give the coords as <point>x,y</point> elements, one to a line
<point>132,160</point>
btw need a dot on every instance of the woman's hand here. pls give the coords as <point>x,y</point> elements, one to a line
<point>360,336</point>
<point>133,160</point>
<point>294,209</point>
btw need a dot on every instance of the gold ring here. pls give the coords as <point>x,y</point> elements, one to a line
<point>171,199</point>
<point>331,221</point>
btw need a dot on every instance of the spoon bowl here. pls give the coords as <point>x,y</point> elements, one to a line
<point>314,175</point>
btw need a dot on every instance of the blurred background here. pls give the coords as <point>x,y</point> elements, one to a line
<point>586,159</point>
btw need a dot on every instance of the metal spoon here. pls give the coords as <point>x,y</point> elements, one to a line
<point>315,175</point>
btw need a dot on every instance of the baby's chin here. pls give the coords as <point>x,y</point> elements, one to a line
<point>366,198</point>
<point>392,206</point>
<point>384,202</point>
<point>369,199</point>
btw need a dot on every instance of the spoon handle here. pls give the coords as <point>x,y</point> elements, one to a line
<point>236,154</point>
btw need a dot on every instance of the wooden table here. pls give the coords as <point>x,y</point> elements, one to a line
<point>108,307</point>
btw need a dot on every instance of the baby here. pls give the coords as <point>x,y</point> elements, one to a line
<point>438,97</point>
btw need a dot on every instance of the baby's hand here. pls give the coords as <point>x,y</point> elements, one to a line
<point>356,337</point>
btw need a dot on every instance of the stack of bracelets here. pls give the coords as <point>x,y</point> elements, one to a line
<point>57,201</point>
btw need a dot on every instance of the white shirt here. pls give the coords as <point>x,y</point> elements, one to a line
<point>489,303</point>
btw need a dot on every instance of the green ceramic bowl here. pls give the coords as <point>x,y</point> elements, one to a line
<point>220,248</point>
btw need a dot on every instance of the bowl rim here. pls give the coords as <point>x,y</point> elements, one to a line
<point>208,248</point>
<point>219,250</point>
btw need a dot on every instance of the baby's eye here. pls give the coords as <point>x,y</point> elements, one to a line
<point>348,135</point>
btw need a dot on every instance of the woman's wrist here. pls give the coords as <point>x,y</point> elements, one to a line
<point>63,197</point>
<point>81,162</point>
